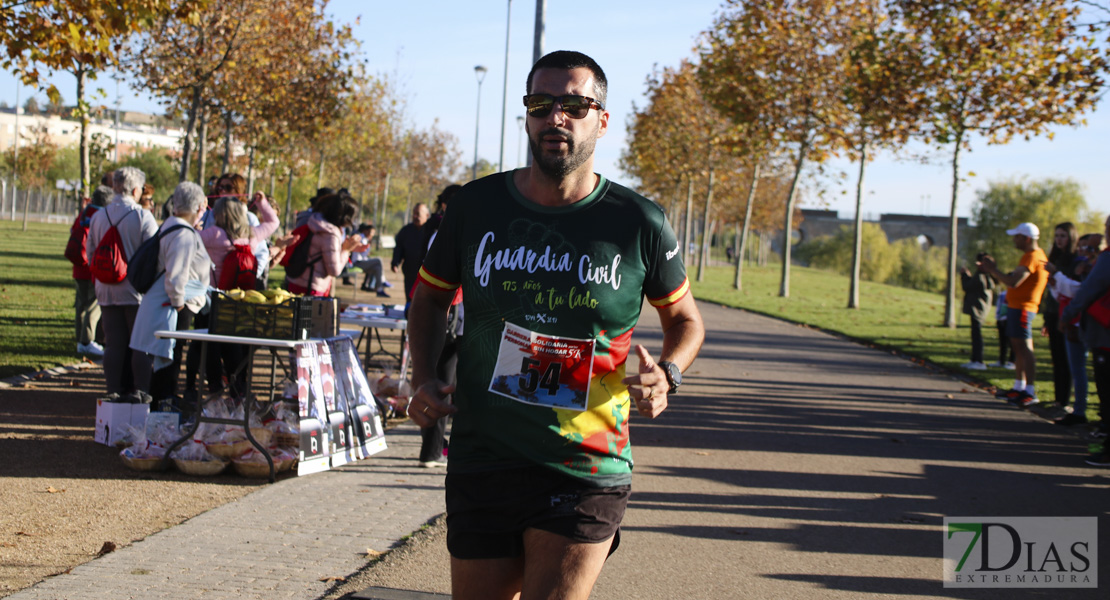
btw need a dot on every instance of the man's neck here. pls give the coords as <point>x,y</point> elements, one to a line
<point>538,187</point>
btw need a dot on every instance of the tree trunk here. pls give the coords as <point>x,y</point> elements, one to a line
<point>202,147</point>
<point>320,172</point>
<point>688,226</point>
<point>747,225</point>
<point>953,238</point>
<point>26,206</point>
<point>384,206</point>
<point>288,202</point>
<point>187,144</point>
<point>857,238</point>
<point>273,173</point>
<point>227,142</point>
<point>788,221</point>
<point>83,114</point>
<point>250,173</point>
<point>705,230</point>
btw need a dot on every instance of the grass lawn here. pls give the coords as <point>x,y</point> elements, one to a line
<point>36,298</point>
<point>901,319</point>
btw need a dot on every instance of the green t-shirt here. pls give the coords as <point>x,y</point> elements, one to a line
<point>579,271</point>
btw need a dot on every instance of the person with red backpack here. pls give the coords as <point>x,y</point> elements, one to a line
<point>232,244</point>
<point>86,308</point>
<point>114,234</point>
<point>322,250</point>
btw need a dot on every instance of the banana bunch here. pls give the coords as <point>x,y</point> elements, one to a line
<point>264,297</point>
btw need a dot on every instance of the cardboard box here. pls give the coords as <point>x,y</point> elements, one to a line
<point>325,318</point>
<point>113,418</point>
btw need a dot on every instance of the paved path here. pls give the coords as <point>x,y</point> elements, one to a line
<point>277,542</point>
<point>794,465</point>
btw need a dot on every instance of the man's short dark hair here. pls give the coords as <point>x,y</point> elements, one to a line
<point>567,60</point>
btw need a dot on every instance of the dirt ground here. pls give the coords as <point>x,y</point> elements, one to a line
<point>65,497</point>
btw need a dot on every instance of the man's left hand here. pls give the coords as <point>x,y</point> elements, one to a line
<point>649,388</point>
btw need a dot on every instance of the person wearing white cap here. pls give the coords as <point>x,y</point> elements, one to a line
<point>1026,284</point>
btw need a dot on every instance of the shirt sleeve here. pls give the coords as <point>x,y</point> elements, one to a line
<point>442,268</point>
<point>666,281</point>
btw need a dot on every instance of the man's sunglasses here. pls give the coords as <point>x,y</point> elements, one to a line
<point>575,107</point>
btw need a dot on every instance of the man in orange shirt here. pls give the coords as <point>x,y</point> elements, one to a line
<point>1026,285</point>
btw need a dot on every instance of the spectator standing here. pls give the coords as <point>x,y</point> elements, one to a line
<point>536,493</point>
<point>1025,286</point>
<point>410,248</point>
<point>433,440</point>
<point>1096,337</point>
<point>119,302</point>
<point>86,309</point>
<point>329,250</point>
<point>1062,261</point>
<point>978,289</point>
<point>175,298</point>
<point>1086,253</point>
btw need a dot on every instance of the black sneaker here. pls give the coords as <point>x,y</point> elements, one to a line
<point>1072,419</point>
<point>1025,400</point>
<point>1008,395</point>
<point>1098,459</point>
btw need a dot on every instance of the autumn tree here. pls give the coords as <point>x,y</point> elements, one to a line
<point>881,94</point>
<point>999,68</point>
<point>79,37</point>
<point>775,66</point>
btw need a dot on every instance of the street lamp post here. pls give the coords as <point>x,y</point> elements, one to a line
<point>520,130</point>
<point>480,73</point>
<point>505,88</point>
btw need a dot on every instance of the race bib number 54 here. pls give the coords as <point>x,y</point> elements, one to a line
<point>543,370</point>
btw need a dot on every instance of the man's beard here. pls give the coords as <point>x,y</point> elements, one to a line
<point>558,167</point>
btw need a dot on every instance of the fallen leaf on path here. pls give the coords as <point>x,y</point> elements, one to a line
<point>24,533</point>
<point>370,552</point>
<point>73,383</point>
<point>949,396</point>
<point>53,490</point>
<point>7,545</point>
<point>702,453</point>
<point>106,548</point>
<point>333,578</point>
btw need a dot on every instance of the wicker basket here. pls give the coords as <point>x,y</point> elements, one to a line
<point>142,464</point>
<point>262,435</point>
<point>253,469</point>
<point>229,450</point>
<point>201,468</point>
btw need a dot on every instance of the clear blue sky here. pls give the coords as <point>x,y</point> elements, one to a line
<point>431,48</point>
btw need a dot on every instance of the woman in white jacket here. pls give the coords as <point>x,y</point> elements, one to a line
<point>178,294</point>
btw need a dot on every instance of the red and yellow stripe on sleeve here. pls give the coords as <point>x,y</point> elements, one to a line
<point>672,297</point>
<point>427,278</point>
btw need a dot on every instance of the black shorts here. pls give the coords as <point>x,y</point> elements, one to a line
<point>487,512</point>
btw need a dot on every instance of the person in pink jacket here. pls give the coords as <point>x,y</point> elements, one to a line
<point>329,247</point>
<point>231,227</point>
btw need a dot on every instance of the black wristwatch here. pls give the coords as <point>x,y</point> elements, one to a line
<point>673,373</point>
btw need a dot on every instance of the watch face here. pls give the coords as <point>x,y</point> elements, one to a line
<point>674,375</point>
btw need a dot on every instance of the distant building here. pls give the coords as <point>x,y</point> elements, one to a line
<point>136,131</point>
<point>928,230</point>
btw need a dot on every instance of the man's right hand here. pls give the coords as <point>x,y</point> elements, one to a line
<point>393,268</point>
<point>429,403</point>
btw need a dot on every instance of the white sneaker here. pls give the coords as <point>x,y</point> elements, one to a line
<point>974,366</point>
<point>431,464</point>
<point>92,348</point>
<point>1008,365</point>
